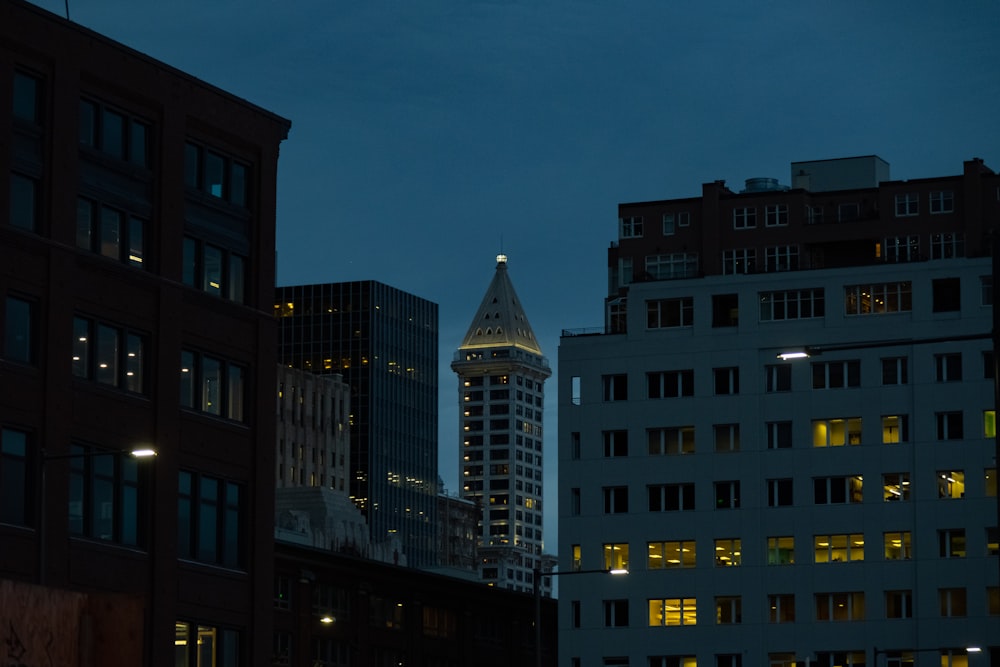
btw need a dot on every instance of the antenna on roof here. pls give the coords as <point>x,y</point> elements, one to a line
<point>67,10</point>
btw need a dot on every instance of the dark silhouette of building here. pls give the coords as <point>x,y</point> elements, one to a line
<point>137,239</point>
<point>334,609</point>
<point>383,341</point>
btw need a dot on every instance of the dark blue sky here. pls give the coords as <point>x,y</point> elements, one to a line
<point>428,132</point>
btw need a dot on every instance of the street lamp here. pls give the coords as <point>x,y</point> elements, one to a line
<point>139,453</point>
<point>537,575</point>
<point>879,651</point>
<point>816,350</point>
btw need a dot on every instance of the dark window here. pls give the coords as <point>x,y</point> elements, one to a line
<point>110,232</point>
<point>670,384</point>
<point>615,387</point>
<point>948,367</point>
<point>212,385</point>
<point>107,496</point>
<point>727,495</point>
<point>778,377</point>
<point>615,499</point>
<point>899,604</point>
<point>15,471</point>
<point>725,310</point>
<point>779,435</point>
<point>949,426</point>
<point>669,313</point>
<point>19,331</point>
<point>727,437</point>
<point>109,354</point>
<point>210,520</point>
<point>836,374</point>
<point>114,133</point>
<point>671,497</point>
<point>216,174</point>
<point>27,98</point>
<point>23,202</point>
<point>615,443</point>
<point>837,490</point>
<point>947,295</point>
<point>727,380</point>
<point>616,613</point>
<point>779,492</point>
<point>214,270</point>
<point>200,644</point>
<point>895,371</point>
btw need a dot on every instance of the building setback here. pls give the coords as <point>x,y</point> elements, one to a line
<point>835,509</point>
<point>501,376</point>
<point>137,240</point>
<point>383,341</point>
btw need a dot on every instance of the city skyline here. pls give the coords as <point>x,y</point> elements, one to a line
<point>428,137</point>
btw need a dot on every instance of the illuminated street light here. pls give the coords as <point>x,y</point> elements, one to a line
<point>139,453</point>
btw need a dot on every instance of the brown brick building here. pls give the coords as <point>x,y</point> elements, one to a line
<point>137,238</point>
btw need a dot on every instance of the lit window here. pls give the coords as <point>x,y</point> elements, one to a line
<point>672,554</point>
<point>781,550</point>
<point>895,429</point>
<point>109,354</point>
<point>616,556</point>
<point>728,552</point>
<point>841,548</point>
<point>895,486</point>
<point>836,432</point>
<point>878,299</point>
<point>897,545</point>
<point>667,612</point>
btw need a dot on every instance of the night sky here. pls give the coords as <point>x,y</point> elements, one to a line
<point>429,134</point>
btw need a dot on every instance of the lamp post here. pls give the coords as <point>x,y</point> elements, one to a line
<point>536,579</point>
<point>139,453</point>
<point>876,652</point>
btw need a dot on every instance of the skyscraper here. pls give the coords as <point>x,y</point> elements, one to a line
<point>383,341</point>
<point>839,508</point>
<point>501,374</point>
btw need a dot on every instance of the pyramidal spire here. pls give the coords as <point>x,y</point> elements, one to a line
<point>500,319</point>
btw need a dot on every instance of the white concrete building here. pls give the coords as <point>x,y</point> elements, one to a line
<point>501,377</point>
<point>838,509</point>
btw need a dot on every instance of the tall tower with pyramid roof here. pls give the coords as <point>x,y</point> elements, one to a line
<point>501,379</point>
